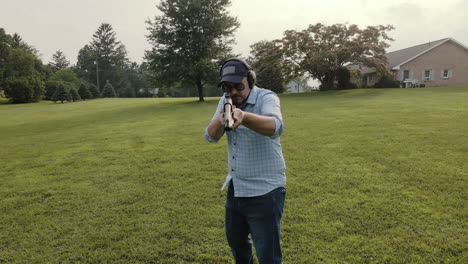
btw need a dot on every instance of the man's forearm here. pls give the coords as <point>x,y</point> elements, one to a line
<point>215,129</point>
<point>264,125</point>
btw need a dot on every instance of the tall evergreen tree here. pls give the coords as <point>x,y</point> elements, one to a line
<point>110,53</point>
<point>104,58</point>
<point>187,40</point>
<point>108,90</point>
<point>59,61</point>
<point>19,43</point>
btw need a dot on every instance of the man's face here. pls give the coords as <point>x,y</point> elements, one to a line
<point>238,97</point>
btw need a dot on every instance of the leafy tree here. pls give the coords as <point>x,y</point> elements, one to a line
<point>343,77</point>
<point>61,94</point>
<point>74,95</point>
<point>266,59</point>
<point>50,88</point>
<point>65,75</point>
<point>23,79</point>
<point>188,39</point>
<point>108,90</point>
<point>135,80</point>
<point>21,72</point>
<point>59,61</point>
<point>321,50</point>
<point>145,75</point>
<point>5,48</point>
<point>212,89</point>
<point>84,92</point>
<point>46,72</point>
<point>85,65</point>
<point>127,91</point>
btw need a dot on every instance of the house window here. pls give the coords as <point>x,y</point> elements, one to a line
<point>405,75</point>
<point>427,75</point>
<point>445,74</point>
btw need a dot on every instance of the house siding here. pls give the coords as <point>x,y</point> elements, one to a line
<point>371,79</point>
<point>294,87</point>
<point>447,56</point>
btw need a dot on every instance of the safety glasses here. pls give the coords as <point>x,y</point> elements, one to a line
<point>228,86</point>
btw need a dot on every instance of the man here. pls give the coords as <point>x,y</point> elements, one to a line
<point>256,178</point>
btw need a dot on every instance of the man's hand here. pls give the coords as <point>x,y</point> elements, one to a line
<point>220,117</point>
<point>238,116</point>
<point>264,125</point>
<point>216,127</point>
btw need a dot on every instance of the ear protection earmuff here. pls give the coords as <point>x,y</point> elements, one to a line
<point>251,77</point>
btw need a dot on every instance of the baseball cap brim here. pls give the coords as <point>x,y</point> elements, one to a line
<point>232,79</point>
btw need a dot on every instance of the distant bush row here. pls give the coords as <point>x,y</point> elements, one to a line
<point>64,91</point>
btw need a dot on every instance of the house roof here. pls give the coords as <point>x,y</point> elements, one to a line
<point>399,57</point>
<point>362,69</point>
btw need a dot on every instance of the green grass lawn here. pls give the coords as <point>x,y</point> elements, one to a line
<point>374,176</point>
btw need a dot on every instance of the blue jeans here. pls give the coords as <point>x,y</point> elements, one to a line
<point>259,216</point>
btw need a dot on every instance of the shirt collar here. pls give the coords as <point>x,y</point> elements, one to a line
<point>252,96</point>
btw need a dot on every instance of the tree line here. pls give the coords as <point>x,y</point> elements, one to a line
<point>101,65</point>
<point>189,41</point>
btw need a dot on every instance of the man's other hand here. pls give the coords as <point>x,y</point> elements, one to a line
<point>238,116</point>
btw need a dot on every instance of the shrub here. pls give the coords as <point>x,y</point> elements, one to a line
<point>94,91</point>
<point>61,94</point>
<point>126,91</point>
<point>108,90</point>
<point>74,95</point>
<point>84,92</point>
<point>387,81</point>
<point>24,89</point>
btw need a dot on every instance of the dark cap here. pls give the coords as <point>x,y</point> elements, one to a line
<point>233,71</point>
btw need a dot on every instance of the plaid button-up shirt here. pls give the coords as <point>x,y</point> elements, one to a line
<point>256,164</point>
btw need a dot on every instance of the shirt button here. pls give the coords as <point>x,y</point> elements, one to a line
<point>232,169</point>
<point>233,157</point>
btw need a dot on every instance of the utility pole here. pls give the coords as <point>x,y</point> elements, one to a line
<point>97,75</point>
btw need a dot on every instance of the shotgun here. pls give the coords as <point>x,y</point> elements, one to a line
<point>228,113</point>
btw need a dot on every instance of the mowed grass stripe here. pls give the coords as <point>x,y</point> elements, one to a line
<point>374,176</point>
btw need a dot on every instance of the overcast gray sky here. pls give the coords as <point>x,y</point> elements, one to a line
<point>50,25</point>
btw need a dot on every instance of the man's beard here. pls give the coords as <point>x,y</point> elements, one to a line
<point>237,100</point>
